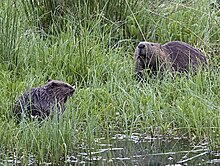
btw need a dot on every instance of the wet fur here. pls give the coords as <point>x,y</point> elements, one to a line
<point>39,102</point>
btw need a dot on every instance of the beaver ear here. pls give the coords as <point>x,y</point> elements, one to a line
<point>53,84</point>
<point>50,86</point>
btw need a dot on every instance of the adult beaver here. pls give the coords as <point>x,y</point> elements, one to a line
<point>174,56</point>
<point>40,102</point>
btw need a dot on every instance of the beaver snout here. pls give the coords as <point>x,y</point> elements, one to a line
<point>142,51</point>
<point>72,90</point>
<point>141,45</point>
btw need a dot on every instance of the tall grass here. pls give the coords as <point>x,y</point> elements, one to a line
<point>94,50</point>
<point>9,32</point>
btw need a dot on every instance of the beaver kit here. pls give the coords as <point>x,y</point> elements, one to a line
<point>40,102</point>
<point>174,56</point>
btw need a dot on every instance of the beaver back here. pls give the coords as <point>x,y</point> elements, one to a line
<point>183,57</point>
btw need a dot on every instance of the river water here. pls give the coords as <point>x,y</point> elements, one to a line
<point>147,151</point>
<point>135,150</point>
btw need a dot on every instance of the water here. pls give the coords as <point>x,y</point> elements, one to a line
<point>143,150</point>
<point>136,150</point>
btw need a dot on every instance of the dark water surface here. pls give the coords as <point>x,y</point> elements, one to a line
<point>136,150</point>
<point>146,151</point>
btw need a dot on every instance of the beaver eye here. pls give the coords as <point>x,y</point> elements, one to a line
<point>152,44</point>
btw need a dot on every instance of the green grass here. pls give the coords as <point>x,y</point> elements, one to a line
<point>95,52</point>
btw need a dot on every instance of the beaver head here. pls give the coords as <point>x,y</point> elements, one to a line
<point>148,55</point>
<point>59,90</point>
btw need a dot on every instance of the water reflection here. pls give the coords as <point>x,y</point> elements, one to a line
<point>143,150</point>
<point>136,150</point>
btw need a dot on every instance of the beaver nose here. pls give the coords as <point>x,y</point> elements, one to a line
<point>71,92</point>
<point>73,89</point>
<point>141,45</point>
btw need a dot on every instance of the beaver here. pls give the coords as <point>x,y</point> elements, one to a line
<point>174,56</point>
<point>40,102</point>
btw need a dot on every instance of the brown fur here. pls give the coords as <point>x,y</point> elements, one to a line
<point>41,101</point>
<point>175,56</point>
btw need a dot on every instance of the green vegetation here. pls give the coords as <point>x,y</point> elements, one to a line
<point>91,44</point>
